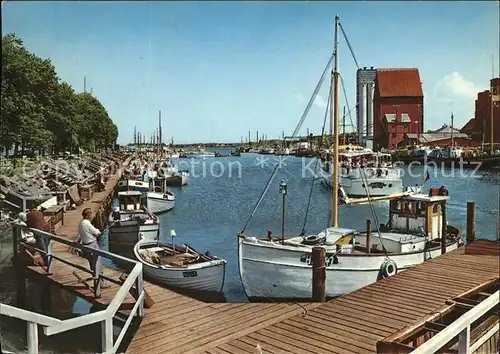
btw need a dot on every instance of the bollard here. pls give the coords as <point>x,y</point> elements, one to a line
<point>471,222</point>
<point>319,274</point>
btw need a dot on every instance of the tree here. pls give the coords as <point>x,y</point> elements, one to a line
<point>40,112</point>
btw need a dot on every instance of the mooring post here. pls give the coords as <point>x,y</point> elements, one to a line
<point>319,274</point>
<point>471,222</point>
<point>368,235</point>
<point>444,228</point>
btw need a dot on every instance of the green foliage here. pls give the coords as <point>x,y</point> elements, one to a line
<point>40,112</point>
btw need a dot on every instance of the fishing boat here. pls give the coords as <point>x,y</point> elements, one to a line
<point>364,172</point>
<point>159,198</point>
<point>181,267</point>
<point>416,231</point>
<point>132,221</point>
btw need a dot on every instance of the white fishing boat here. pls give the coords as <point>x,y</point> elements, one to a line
<point>178,179</point>
<point>159,198</point>
<point>132,220</point>
<point>416,231</point>
<point>160,202</point>
<point>282,268</point>
<point>364,172</point>
<point>181,267</point>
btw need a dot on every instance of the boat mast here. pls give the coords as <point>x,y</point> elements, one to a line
<point>158,141</point>
<point>452,142</point>
<point>334,113</point>
<point>343,128</point>
<point>492,150</point>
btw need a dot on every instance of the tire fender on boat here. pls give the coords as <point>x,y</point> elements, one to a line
<point>312,240</point>
<point>388,268</point>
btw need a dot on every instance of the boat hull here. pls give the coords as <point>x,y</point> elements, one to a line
<point>377,186</point>
<point>200,277</point>
<point>279,273</point>
<point>158,204</point>
<point>128,233</point>
<point>208,279</point>
<point>177,180</point>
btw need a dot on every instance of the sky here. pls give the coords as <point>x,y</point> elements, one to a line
<point>218,70</point>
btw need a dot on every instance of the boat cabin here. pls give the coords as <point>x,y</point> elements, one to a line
<point>131,200</point>
<point>418,214</point>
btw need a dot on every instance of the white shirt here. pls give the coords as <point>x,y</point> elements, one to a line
<point>88,233</point>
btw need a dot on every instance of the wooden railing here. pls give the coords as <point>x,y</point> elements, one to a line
<point>461,328</point>
<point>105,317</point>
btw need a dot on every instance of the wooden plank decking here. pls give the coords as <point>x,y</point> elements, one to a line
<point>350,324</point>
<point>355,322</point>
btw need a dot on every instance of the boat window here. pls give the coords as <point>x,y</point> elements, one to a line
<point>436,208</point>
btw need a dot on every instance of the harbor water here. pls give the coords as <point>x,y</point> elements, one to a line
<point>216,205</point>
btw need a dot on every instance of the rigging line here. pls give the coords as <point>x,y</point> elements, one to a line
<point>374,214</point>
<point>346,100</point>
<point>313,97</point>
<point>328,103</point>
<point>299,125</point>
<point>261,197</point>
<point>348,44</point>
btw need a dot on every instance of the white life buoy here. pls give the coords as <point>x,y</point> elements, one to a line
<point>388,268</point>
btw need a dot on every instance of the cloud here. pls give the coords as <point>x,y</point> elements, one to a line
<point>452,93</point>
<point>298,96</point>
<point>320,102</point>
<point>455,87</point>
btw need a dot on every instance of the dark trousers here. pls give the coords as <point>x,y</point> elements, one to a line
<point>43,244</point>
<point>91,258</point>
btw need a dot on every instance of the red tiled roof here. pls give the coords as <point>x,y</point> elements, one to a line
<point>398,83</point>
<point>470,126</point>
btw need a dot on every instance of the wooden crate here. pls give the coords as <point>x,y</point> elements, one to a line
<point>56,216</point>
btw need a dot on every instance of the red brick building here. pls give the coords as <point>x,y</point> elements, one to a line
<point>398,106</point>
<point>479,127</point>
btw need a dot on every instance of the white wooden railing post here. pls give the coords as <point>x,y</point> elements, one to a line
<point>96,274</point>
<point>464,341</point>
<point>48,242</point>
<point>32,335</point>
<point>107,335</point>
<point>140,288</point>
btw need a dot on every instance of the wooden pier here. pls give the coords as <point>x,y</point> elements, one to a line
<point>354,323</point>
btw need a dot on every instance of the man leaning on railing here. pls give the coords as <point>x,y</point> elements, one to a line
<point>89,236</point>
<point>36,220</point>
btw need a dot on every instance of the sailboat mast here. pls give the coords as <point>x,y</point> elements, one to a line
<point>452,144</point>
<point>159,132</point>
<point>492,111</point>
<point>343,127</point>
<point>334,112</point>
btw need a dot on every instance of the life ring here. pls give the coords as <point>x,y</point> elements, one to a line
<point>388,268</point>
<point>312,240</point>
